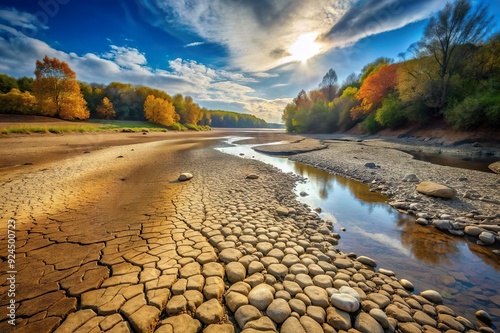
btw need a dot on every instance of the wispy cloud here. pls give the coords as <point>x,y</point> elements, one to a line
<point>259,34</point>
<point>372,17</point>
<point>194,44</point>
<point>23,20</point>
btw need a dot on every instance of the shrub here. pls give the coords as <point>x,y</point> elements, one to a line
<point>465,115</point>
<point>391,113</point>
<point>370,125</point>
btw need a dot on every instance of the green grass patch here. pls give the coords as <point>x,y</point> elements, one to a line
<point>96,125</point>
<point>52,128</point>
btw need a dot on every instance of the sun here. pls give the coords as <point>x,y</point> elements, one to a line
<point>305,47</point>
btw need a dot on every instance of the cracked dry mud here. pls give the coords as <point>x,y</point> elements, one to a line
<point>107,244</point>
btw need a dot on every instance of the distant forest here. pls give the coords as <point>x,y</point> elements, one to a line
<point>55,92</point>
<point>451,74</point>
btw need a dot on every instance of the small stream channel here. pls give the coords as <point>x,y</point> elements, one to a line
<point>467,275</point>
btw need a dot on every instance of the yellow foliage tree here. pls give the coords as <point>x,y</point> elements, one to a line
<point>17,102</point>
<point>160,111</point>
<point>105,110</point>
<point>57,91</point>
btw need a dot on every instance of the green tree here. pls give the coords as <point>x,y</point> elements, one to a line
<point>24,83</point>
<point>7,83</point>
<point>448,38</point>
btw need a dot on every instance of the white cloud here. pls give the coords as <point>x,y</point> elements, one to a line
<point>259,34</point>
<point>194,44</point>
<point>18,54</point>
<point>256,33</point>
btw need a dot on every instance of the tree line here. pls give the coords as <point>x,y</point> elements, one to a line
<point>452,73</point>
<point>220,118</point>
<point>55,92</point>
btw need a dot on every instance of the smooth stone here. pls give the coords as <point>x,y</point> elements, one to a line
<point>406,284</point>
<point>483,316</point>
<point>317,313</point>
<point>292,325</point>
<point>317,295</point>
<point>277,270</point>
<point>436,190</point>
<point>381,300</point>
<point>235,271</point>
<point>255,267</point>
<point>367,261</point>
<point>350,291</point>
<point>495,167</point>
<point>473,230</point>
<point>292,287</point>
<point>345,302</point>
<point>310,325</point>
<point>279,310</point>
<point>411,177</point>
<point>261,296</point>
<point>252,176</point>
<point>432,296</point>
<point>298,306</point>
<point>381,317</point>
<point>487,237</point>
<point>303,280</point>
<point>245,314</point>
<point>338,319</point>
<point>185,176</point>
<point>367,324</point>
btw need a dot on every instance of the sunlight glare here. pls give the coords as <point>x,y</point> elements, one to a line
<point>305,47</point>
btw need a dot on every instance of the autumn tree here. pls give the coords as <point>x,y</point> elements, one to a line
<point>17,102</point>
<point>105,109</point>
<point>159,111</point>
<point>329,85</point>
<point>57,91</point>
<point>448,40</point>
<point>374,89</point>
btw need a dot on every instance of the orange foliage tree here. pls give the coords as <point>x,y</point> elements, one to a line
<point>105,110</point>
<point>374,89</point>
<point>160,111</point>
<point>57,91</point>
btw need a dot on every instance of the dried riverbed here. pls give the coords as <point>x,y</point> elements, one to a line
<point>109,241</point>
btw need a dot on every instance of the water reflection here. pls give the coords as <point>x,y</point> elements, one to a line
<point>472,163</point>
<point>465,273</point>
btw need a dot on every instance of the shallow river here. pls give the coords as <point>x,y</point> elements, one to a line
<point>467,275</point>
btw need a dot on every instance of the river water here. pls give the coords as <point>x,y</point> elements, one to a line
<point>467,275</point>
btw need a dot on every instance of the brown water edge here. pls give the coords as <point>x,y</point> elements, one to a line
<point>467,275</point>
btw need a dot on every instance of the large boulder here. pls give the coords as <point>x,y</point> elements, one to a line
<point>495,167</point>
<point>436,190</point>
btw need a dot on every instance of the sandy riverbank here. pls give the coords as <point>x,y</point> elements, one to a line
<point>110,241</point>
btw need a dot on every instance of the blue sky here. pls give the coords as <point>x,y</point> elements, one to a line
<point>250,56</point>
